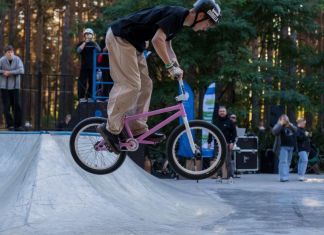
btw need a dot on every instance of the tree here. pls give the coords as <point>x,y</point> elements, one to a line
<point>251,55</point>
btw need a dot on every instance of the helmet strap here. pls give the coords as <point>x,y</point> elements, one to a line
<point>198,21</point>
<point>195,21</point>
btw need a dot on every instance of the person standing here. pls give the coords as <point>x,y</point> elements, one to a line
<point>228,128</point>
<point>303,146</point>
<point>11,68</point>
<point>285,142</point>
<point>86,49</point>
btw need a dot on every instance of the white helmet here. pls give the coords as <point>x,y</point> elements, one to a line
<point>88,30</point>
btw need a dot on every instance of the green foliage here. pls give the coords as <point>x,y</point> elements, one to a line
<point>225,54</point>
<point>4,6</point>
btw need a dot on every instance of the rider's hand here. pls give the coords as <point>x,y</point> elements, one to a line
<point>209,146</point>
<point>175,72</point>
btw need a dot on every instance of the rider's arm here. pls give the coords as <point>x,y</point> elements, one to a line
<point>160,45</point>
<point>171,53</point>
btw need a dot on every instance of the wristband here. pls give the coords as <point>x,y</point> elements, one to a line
<point>168,66</point>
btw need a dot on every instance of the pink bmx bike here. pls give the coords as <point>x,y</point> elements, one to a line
<point>186,148</point>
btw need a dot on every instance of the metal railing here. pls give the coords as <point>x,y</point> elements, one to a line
<point>45,100</point>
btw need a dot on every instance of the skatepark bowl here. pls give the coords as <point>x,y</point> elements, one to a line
<point>43,191</point>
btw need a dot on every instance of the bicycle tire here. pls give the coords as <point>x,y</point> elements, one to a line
<point>173,158</point>
<point>74,151</point>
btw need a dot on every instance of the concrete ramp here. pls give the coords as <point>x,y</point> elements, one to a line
<point>42,191</point>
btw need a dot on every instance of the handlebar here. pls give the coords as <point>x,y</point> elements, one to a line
<point>184,95</point>
<point>181,84</point>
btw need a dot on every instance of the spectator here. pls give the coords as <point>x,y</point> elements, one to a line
<point>86,49</point>
<point>303,145</point>
<point>233,118</point>
<point>11,68</point>
<point>223,122</point>
<point>285,142</point>
<point>63,126</point>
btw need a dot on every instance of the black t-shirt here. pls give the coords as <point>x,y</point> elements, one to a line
<point>141,26</point>
<point>288,137</point>
<point>87,54</point>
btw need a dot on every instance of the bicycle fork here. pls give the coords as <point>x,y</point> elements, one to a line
<point>193,147</point>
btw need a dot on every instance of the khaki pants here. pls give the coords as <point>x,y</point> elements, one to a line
<point>132,89</point>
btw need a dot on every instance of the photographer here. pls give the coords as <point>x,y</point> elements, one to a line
<point>285,142</point>
<point>86,49</point>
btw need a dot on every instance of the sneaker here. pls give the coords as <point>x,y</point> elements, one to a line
<point>10,128</point>
<point>83,100</point>
<point>155,137</point>
<point>111,140</point>
<point>301,178</point>
<point>230,180</point>
<point>283,180</point>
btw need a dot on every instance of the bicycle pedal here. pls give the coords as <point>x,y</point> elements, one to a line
<point>108,147</point>
<point>123,149</point>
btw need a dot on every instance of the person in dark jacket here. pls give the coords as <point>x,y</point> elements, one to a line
<point>303,145</point>
<point>228,128</point>
<point>86,49</point>
<point>285,142</point>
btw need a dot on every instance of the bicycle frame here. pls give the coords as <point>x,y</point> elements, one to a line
<point>181,112</point>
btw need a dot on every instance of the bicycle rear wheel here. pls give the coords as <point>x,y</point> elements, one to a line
<point>191,166</point>
<point>88,149</point>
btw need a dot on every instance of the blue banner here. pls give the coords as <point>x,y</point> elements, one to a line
<point>208,110</point>
<point>189,105</point>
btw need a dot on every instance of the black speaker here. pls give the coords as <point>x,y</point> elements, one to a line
<point>275,112</point>
<point>246,160</point>
<point>88,109</point>
<point>247,142</point>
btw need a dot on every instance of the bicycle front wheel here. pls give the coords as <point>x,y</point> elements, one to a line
<point>88,149</point>
<point>209,159</point>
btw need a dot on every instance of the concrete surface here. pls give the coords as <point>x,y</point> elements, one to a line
<point>42,191</point>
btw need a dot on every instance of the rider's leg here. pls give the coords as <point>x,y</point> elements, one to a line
<point>127,85</point>
<point>142,105</point>
<point>127,82</point>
